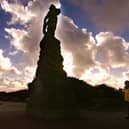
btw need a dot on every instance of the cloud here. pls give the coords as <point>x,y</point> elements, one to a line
<point>6,67</point>
<point>112,50</point>
<point>9,84</point>
<point>16,38</point>
<point>126,75</point>
<point>90,58</point>
<point>24,14</point>
<point>8,74</point>
<point>5,62</point>
<point>13,53</point>
<point>74,40</point>
<point>31,15</point>
<point>97,75</point>
<point>26,39</point>
<point>107,14</point>
<point>79,43</point>
<point>19,12</point>
<point>115,82</point>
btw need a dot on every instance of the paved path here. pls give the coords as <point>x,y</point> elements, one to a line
<point>13,116</point>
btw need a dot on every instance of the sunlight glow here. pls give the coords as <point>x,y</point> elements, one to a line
<point>68,65</point>
<point>95,78</point>
<point>57,4</point>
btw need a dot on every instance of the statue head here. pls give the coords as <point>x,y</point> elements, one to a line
<point>54,9</point>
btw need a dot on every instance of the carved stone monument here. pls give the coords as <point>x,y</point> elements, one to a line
<point>50,96</point>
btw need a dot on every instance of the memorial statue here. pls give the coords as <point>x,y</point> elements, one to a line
<point>50,21</point>
<point>50,94</point>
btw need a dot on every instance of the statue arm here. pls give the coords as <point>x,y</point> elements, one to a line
<point>45,23</point>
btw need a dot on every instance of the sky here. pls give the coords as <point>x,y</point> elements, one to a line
<point>93,34</point>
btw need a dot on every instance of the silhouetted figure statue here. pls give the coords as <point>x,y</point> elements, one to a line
<point>50,21</point>
<point>50,95</point>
